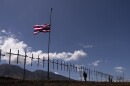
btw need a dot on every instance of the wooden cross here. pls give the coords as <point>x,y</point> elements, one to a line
<point>64,66</point>
<point>1,54</point>
<point>24,73</point>
<point>70,67</point>
<point>57,64</point>
<point>96,75</point>
<point>73,67</point>
<point>83,68</point>
<point>76,68</point>
<point>9,56</point>
<point>38,60</point>
<point>17,56</point>
<point>32,59</point>
<point>53,63</point>
<point>67,66</point>
<point>101,76</point>
<point>105,77</point>
<point>43,60</point>
<point>61,65</point>
<point>89,73</point>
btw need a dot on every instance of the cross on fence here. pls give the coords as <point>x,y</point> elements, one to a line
<point>63,65</point>
<point>32,59</point>
<point>10,55</point>
<point>17,57</point>
<point>57,64</point>
<point>53,63</point>
<point>38,60</point>
<point>1,55</point>
<point>24,66</point>
<point>43,61</point>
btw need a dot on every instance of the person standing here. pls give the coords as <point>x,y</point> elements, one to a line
<point>85,76</point>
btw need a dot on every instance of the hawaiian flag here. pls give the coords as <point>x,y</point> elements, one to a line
<point>41,28</point>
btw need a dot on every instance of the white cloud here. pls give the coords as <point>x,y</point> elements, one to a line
<point>86,46</point>
<point>3,31</point>
<point>119,69</point>
<point>9,41</point>
<point>96,63</point>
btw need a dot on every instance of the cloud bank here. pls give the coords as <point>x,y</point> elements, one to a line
<point>9,41</point>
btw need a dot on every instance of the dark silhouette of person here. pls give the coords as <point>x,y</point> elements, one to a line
<point>85,75</point>
<point>110,79</point>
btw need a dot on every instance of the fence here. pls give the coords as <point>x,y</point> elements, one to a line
<point>60,65</point>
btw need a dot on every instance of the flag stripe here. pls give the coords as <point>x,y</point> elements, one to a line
<point>38,26</point>
<point>44,30</point>
<point>36,33</point>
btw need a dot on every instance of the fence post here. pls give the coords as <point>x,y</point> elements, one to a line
<point>57,64</point>
<point>69,70</point>
<point>105,77</point>
<point>73,67</point>
<point>61,65</point>
<point>24,73</point>
<point>9,56</point>
<point>38,60</point>
<point>43,61</point>
<point>67,66</point>
<point>101,76</point>
<point>89,73</point>
<point>17,56</point>
<point>53,63</point>
<point>1,55</point>
<point>83,68</point>
<point>76,69</point>
<point>64,66</point>
<point>70,67</point>
<point>96,76</point>
<point>32,59</point>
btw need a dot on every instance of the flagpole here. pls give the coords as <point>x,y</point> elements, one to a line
<point>49,46</point>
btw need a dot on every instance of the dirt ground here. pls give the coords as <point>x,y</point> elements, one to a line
<point>13,82</point>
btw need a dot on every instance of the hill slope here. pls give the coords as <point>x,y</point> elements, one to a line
<point>13,82</point>
<point>16,72</point>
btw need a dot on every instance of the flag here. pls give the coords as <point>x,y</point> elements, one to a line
<point>41,28</point>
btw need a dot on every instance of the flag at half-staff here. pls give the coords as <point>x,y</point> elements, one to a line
<point>44,28</point>
<point>41,28</point>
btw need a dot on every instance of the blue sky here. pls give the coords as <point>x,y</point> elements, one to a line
<point>99,28</point>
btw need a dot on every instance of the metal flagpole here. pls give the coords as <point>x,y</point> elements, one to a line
<point>49,46</point>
